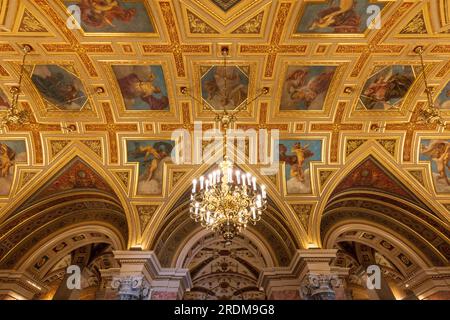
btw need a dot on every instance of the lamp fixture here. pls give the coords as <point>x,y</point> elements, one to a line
<point>430,113</point>
<point>14,114</point>
<point>227,199</point>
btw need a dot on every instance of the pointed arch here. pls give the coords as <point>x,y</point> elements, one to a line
<point>42,211</point>
<point>389,165</point>
<point>280,207</point>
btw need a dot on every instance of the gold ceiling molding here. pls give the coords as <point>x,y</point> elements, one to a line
<point>29,23</point>
<point>418,175</point>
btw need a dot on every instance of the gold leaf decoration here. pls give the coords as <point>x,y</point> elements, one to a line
<point>94,145</point>
<point>252,26</point>
<point>197,25</point>
<point>416,25</point>
<point>324,175</point>
<point>145,213</point>
<point>352,145</point>
<point>176,176</point>
<point>388,145</point>
<point>124,177</point>
<point>25,178</point>
<point>303,212</point>
<point>417,174</point>
<point>29,23</point>
<point>56,146</point>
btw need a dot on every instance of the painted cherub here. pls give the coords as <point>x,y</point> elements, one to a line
<point>439,152</point>
<point>7,156</point>
<point>153,165</point>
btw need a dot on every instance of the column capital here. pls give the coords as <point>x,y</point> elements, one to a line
<point>132,287</point>
<point>319,286</point>
<point>173,282</point>
<point>311,261</point>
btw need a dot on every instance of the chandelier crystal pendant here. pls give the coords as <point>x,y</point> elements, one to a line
<point>227,200</point>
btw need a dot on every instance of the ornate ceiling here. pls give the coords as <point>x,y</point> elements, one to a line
<point>106,98</point>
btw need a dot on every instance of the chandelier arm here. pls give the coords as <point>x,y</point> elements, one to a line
<point>242,107</point>
<point>16,94</point>
<point>208,107</point>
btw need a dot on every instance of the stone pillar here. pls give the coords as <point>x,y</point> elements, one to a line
<point>142,277</point>
<point>16,285</point>
<point>308,277</point>
<point>430,283</point>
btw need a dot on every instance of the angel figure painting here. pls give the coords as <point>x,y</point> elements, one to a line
<point>387,88</point>
<point>224,87</point>
<point>297,155</point>
<point>113,16</point>
<point>438,152</point>
<point>143,87</point>
<point>11,152</point>
<point>4,102</point>
<point>443,99</point>
<point>151,156</point>
<point>335,16</point>
<point>305,87</point>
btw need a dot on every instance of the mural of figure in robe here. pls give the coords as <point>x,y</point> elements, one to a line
<point>438,151</point>
<point>151,156</point>
<point>142,87</point>
<point>443,99</point>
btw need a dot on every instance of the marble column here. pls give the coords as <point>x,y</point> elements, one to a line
<point>141,277</point>
<point>106,290</point>
<point>429,284</point>
<point>308,277</point>
<point>16,285</point>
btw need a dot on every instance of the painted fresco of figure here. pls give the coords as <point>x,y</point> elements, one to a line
<point>297,155</point>
<point>142,87</point>
<point>439,152</point>
<point>101,13</point>
<point>133,87</point>
<point>227,88</point>
<point>341,16</point>
<point>387,88</point>
<point>59,87</point>
<point>11,153</point>
<point>151,156</point>
<point>305,88</point>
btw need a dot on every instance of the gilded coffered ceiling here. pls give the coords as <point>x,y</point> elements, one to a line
<point>103,84</point>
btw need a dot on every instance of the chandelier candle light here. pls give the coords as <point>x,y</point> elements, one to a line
<point>227,199</point>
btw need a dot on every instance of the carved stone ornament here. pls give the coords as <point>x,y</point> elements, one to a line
<point>319,287</point>
<point>132,288</point>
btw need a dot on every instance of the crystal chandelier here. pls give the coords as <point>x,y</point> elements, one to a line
<point>226,200</point>
<point>430,113</point>
<point>15,115</point>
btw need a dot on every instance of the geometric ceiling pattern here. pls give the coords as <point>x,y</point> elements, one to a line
<point>108,90</point>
